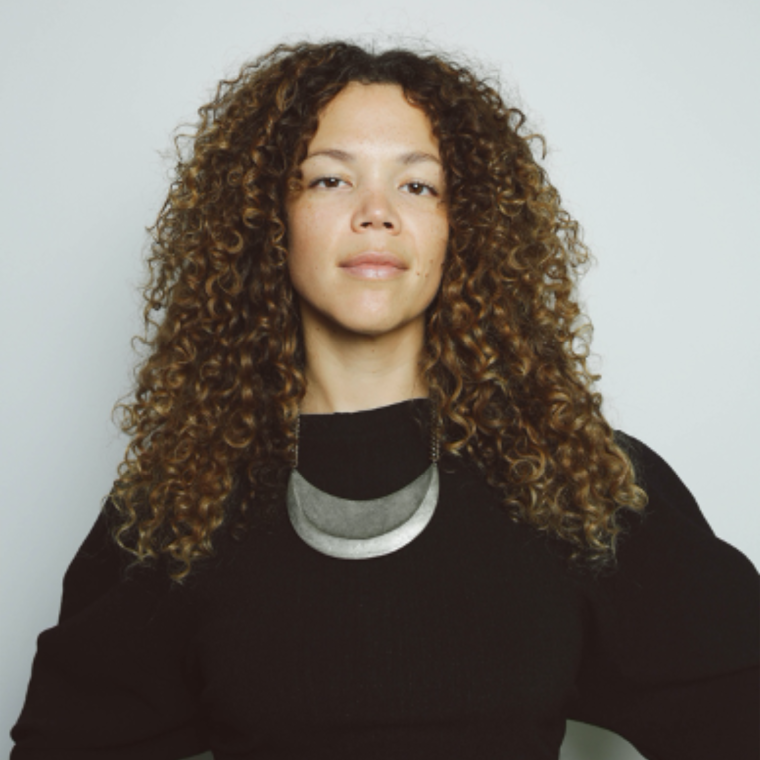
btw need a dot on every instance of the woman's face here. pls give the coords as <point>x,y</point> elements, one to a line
<point>368,230</point>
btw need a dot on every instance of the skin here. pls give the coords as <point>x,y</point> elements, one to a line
<point>372,181</point>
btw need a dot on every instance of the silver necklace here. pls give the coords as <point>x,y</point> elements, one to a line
<point>362,529</point>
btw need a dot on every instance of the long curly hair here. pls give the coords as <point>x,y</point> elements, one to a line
<point>211,421</point>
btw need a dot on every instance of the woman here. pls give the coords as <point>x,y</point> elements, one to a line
<point>370,506</point>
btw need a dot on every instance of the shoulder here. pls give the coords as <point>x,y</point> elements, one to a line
<point>672,530</point>
<point>662,485</point>
<point>103,576</point>
<point>674,582</point>
<point>96,568</point>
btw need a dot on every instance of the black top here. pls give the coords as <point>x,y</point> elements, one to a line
<point>474,641</point>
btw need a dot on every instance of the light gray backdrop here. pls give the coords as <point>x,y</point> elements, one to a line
<point>652,117</point>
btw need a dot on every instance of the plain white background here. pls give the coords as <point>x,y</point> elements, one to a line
<point>651,114</point>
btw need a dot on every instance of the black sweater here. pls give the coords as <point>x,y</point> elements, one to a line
<point>473,641</point>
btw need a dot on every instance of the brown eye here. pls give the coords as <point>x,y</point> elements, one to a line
<point>327,182</point>
<point>420,188</point>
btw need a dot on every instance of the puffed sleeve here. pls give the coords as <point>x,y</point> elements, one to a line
<point>671,662</point>
<point>113,679</point>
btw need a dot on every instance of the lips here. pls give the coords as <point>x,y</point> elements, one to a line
<point>374,259</point>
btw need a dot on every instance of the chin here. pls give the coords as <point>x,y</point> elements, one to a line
<point>357,317</point>
<point>371,324</point>
<point>371,328</point>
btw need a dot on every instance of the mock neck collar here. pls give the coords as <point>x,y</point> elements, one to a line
<point>365,454</point>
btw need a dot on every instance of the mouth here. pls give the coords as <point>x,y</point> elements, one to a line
<point>375,258</point>
<point>372,265</point>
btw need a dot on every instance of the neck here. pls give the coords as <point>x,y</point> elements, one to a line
<point>348,372</point>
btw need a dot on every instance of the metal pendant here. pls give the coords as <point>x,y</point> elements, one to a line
<point>361,529</point>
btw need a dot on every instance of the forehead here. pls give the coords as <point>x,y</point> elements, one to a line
<point>373,116</point>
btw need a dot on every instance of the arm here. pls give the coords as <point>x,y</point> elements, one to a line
<point>114,679</point>
<point>671,662</point>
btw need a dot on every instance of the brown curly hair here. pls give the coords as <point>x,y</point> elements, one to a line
<point>505,357</point>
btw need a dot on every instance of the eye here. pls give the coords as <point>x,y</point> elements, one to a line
<point>420,188</point>
<point>327,182</point>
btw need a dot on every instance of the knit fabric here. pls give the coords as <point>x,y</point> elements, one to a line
<point>476,640</point>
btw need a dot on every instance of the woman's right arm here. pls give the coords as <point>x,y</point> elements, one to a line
<point>114,680</point>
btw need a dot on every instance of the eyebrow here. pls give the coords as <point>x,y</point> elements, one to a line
<point>408,159</point>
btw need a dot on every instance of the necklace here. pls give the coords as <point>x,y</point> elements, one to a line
<point>362,529</point>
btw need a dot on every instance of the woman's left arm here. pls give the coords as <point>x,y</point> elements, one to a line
<point>674,633</point>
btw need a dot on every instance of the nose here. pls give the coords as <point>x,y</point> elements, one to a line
<point>375,210</point>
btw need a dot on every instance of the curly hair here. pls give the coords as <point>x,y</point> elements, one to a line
<point>211,422</point>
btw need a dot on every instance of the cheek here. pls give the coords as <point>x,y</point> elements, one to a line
<point>430,274</point>
<point>305,240</point>
<point>314,224</point>
<point>438,237</point>
<point>298,221</point>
